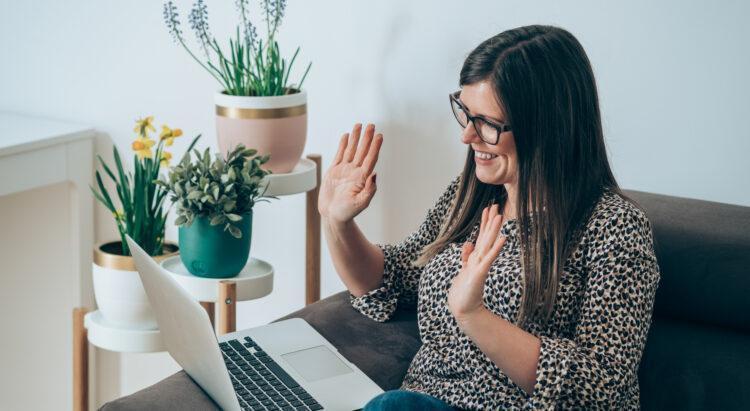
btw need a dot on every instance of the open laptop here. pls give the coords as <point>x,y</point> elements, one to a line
<point>285,365</point>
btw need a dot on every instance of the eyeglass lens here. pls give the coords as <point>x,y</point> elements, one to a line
<point>486,132</point>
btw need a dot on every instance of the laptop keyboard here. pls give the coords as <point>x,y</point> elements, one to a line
<point>260,383</point>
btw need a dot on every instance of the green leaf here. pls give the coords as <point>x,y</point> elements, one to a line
<point>234,217</point>
<point>235,232</point>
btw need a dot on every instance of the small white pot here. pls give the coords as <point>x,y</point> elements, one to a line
<point>118,290</point>
<point>274,125</point>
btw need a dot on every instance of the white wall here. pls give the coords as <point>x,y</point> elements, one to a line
<point>672,78</point>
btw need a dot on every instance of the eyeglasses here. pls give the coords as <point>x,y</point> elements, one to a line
<point>488,131</point>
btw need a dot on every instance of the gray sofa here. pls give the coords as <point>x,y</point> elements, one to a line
<point>697,355</point>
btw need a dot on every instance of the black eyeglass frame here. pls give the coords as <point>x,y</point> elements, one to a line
<point>499,127</point>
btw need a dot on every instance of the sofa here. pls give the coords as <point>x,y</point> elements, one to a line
<point>697,354</point>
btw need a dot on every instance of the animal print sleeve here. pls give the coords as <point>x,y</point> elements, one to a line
<point>595,368</point>
<point>400,276</point>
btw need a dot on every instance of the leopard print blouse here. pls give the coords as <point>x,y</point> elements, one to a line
<point>590,349</point>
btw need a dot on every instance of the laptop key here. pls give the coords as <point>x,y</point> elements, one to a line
<point>299,390</point>
<point>309,401</point>
<point>316,407</point>
<point>282,375</point>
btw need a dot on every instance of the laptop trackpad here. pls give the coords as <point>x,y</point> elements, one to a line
<point>316,363</point>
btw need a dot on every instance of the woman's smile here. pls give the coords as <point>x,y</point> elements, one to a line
<point>484,158</point>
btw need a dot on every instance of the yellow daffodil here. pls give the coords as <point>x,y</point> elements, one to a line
<point>119,215</point>
<point>168,134</point>
<point>165,157</point>
<point>143,125</point>
<point>142,147</point>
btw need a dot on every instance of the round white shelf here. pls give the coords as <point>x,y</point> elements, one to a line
<point>109,337</point>
<point>302,178</point>
<point>254,281</point>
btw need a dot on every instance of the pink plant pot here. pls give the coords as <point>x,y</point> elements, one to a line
<point>274,125</point>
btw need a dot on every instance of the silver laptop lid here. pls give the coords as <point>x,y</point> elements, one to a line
<point>185,329</point>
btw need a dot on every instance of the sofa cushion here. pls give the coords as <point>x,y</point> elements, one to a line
<point>703,249</point>
<point>689,366</point>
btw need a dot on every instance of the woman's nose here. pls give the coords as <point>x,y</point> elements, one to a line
<point>469,134</point>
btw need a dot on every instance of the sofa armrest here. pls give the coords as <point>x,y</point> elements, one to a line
<point>383,351</point>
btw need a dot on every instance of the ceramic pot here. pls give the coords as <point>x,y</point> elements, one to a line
<point>211,252</point>
<point>118,290</point>
<point>274,125</point>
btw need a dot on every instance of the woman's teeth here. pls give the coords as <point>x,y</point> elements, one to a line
<point>484,156</point>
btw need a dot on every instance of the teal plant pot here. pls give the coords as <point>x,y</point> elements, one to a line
<point>209,251</point>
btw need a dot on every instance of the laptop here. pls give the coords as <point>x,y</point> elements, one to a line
<point>285,365</point>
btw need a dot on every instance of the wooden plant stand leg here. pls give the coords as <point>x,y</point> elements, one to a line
<point>80,362</point>
<point>312,243</point>
<point>227,307</point>
<point>209,307</point>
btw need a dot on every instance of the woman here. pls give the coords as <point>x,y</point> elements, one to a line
<point>534,276</point>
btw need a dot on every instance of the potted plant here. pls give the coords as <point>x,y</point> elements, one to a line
<point>117,287</point>
<point>215,209</point>
<point>256,105</point>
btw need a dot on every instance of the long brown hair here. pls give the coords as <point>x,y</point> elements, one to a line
<point>544,82</point>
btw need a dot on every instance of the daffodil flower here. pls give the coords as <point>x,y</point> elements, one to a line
<point>142,147</point>
<point>168,134</point>
<point>165,157</point>
<point>143,125</point>
<point>119,214</point>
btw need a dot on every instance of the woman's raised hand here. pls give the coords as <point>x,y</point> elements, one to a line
<point>349,184</point>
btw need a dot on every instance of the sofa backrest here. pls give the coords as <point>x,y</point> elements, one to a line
<point>698,350</point>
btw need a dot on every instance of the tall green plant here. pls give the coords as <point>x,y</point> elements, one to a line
<point>141,214</point>
<point>249,67</point>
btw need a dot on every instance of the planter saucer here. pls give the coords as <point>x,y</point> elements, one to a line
<point>301,179</point>
<point>254,281</point>
<point>109,337</point>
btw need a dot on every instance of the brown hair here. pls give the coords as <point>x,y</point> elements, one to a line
<point>544,82</point>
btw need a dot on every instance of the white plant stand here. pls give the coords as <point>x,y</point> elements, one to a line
<point>255,281</point>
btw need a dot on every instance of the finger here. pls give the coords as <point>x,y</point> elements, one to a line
<point>499,243</point>
<point>365,146</point>
<point>491,234</point>
<point>487,239</point>
<point>372,155</point>
<point>482,227</point>
<point>353,140</point>
<point>466,250</point>
<point>493,211</point>
<point>342,148</point>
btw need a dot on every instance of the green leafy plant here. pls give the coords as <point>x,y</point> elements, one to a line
<point>222,190</point>
<point>250,67</point>
<point>141,214</point>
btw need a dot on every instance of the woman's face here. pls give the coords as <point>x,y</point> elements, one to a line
<point>479,99</point>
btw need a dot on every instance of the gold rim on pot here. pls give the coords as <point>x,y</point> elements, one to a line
<point>125,262</point>
<point>260,113</point>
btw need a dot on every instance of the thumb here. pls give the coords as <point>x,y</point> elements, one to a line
<point>370,185</point>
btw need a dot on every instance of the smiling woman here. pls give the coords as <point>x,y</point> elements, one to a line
<point>533,274</point>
